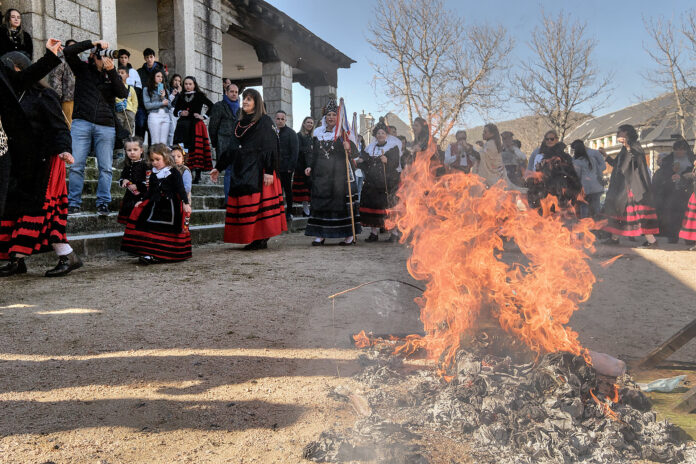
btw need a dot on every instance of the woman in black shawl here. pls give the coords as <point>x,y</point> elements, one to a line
<point>629,204</point>
<point>555,175</point>
<point>255,209</point>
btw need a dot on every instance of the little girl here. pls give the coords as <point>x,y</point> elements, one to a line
<point>179,157</point>
<point>132,177</point>
<point>156,228</point>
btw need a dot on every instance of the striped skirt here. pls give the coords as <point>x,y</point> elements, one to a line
<point>688,230</point>
<point>256,216</point>
<point>28,234</point>
<point>165,246</point>
<point>636,221</point>
<point>300,187</point>
<point>200,157</point>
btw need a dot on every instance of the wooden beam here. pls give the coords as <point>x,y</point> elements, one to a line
<point>688,403</point>
<point>669,347</point>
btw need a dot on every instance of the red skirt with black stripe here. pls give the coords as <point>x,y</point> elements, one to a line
<point>28,234</point>
<point>200,156</point>
<point>300,187</point>
<point>688,230</point>
<point>257,216</point>
<point>165,246</point>
<point>638,220</point>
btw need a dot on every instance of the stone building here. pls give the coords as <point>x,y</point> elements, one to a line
<point>249,41</point>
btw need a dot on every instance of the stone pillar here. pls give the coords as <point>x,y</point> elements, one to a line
<point>184,24</point>
<point>166,34</point>
<point>319,97</point>
<point>108,21</point>
<point>208,47</point>
<point>276,80</point>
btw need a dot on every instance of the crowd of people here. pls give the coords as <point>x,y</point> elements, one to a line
<point>102,105</point>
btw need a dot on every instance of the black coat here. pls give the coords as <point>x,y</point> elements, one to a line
<point>375,193</point>
<point>19,44</point>
<point>21,139</point>
<point>255,154</point>
<point>671,198</point>
<point>630,172</point>
<point>135,173</point>
<point>304,152</point>
<point>95,91</point>
<point>289,149</point>
<point>163,213</point>
<point>558,178</point>
<point>329,179</point>
<point>185,131</point>
<point>221,127</point>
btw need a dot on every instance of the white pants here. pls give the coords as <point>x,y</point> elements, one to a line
<point>158,125</point>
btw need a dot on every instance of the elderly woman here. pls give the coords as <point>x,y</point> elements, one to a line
<point>255,209</point>
<point>629,204</point>
<point>330,215</point>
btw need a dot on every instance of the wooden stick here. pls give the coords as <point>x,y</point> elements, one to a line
<point>350,195</point>
<point>668,348</point>
<point>688,404</point>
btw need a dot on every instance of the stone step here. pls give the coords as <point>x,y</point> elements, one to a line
<point>90,188</point>
<point>89,202</point>
<point>92,223</point>
<point>92,173</point>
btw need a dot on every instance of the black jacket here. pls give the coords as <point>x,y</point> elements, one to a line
<point>221,127</point>
<point>21,42</point>
<point>329,181</point>
<point>289,148</point>
<point>95,91</point>
<point>306,145</point>
<point>255,154</point>
<point>21,139</point>
<point>30,172</point>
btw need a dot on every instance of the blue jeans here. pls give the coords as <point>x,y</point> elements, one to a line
<point>84,134</point>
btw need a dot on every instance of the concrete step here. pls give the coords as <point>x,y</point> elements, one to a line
<point>92,223</point>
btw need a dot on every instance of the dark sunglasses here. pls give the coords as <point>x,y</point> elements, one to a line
<point>550,139</point>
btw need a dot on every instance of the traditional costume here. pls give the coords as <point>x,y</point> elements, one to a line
<point>133,173</point>
<point>330,215</point>
<point>628,205</point>
<point>381,181</point>
<point>255,211</point>
<point>672,197</point>
<point>688,230</point>
<point>192,132</point>
<point>300,182</point>
<point>156,228</point>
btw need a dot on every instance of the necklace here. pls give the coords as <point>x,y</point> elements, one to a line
<point>246,128</point>
<point>189,98</point>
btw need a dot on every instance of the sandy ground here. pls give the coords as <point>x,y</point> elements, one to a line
<point>228,358</point>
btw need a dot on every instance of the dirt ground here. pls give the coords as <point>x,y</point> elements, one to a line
<point>228,357</point>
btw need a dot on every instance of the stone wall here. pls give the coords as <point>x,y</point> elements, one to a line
<point>208,47</point>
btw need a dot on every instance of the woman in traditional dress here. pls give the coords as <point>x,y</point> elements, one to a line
<point>300,182</point>
<point>191,130</point>
<point>380,162</point>
<point>156,229</point>
<point>331,203</point>
<point>255,209</point>
<point>36,212</point>
<point>688,230</point>
<point>629,204</point>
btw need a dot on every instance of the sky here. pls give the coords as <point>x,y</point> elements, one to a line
<point>616,24</point>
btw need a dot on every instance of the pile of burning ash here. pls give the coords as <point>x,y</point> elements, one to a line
<point>555,409</point>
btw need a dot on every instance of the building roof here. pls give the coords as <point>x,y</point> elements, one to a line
<point>654,119</point>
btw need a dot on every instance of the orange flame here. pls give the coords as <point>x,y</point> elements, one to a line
<point>606,404</point>
<point>457,227</point>
<point>610,261</point>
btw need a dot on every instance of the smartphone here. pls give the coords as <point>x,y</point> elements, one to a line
<point>160,87</point>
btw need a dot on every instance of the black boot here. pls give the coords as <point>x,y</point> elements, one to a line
<point>197,176</point>
<point>66,263</point>
<point>15,266</point>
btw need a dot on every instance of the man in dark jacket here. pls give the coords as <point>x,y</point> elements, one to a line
<point>145,71</point>
<point>289,148</point>
<point>223,119</point>
<point>97,84</point>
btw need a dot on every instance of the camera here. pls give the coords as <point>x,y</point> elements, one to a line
<point>99,52</point>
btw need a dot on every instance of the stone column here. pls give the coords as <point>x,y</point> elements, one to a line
<point>108,21</point>
<point>276,80</point>
<point>319,96</point>
<point>184,25</point>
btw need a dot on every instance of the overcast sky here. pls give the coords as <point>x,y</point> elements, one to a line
<point>617,25</point>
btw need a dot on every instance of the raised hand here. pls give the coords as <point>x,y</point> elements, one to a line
<point>54,45</point>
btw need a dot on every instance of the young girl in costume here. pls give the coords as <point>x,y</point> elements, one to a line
<point>132,177</point>
<point>180,161</point>
<point>156,229</point>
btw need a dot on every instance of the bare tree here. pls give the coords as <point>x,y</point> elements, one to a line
<point>561,78</point>
<point>669,72</point>
<point>432,64</point>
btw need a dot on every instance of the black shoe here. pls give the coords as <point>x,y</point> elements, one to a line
<point>647,244</point>
<point>66,264</point>
<point>15,266</point>
<point>372,238</point>
<point>197,176</point>
<point>103,210</point>
<point>256,245</point>
<point>344,243</point>
<point>315,243</point>
<point>73,209</point>
<point>147,260</point>
<point>673,240</point>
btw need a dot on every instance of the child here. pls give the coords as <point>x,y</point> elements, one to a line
<point>126,107</point>
<point>132,177</point>
<point>179,156</point>
<point>156,228</point>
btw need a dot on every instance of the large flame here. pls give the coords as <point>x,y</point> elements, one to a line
<point>457,228</point>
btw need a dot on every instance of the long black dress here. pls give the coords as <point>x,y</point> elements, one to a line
<point>156,227</point>
<point>192,132</point>
<point>629,203</point>
<point>381,182</point>
<point>330,210</point>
